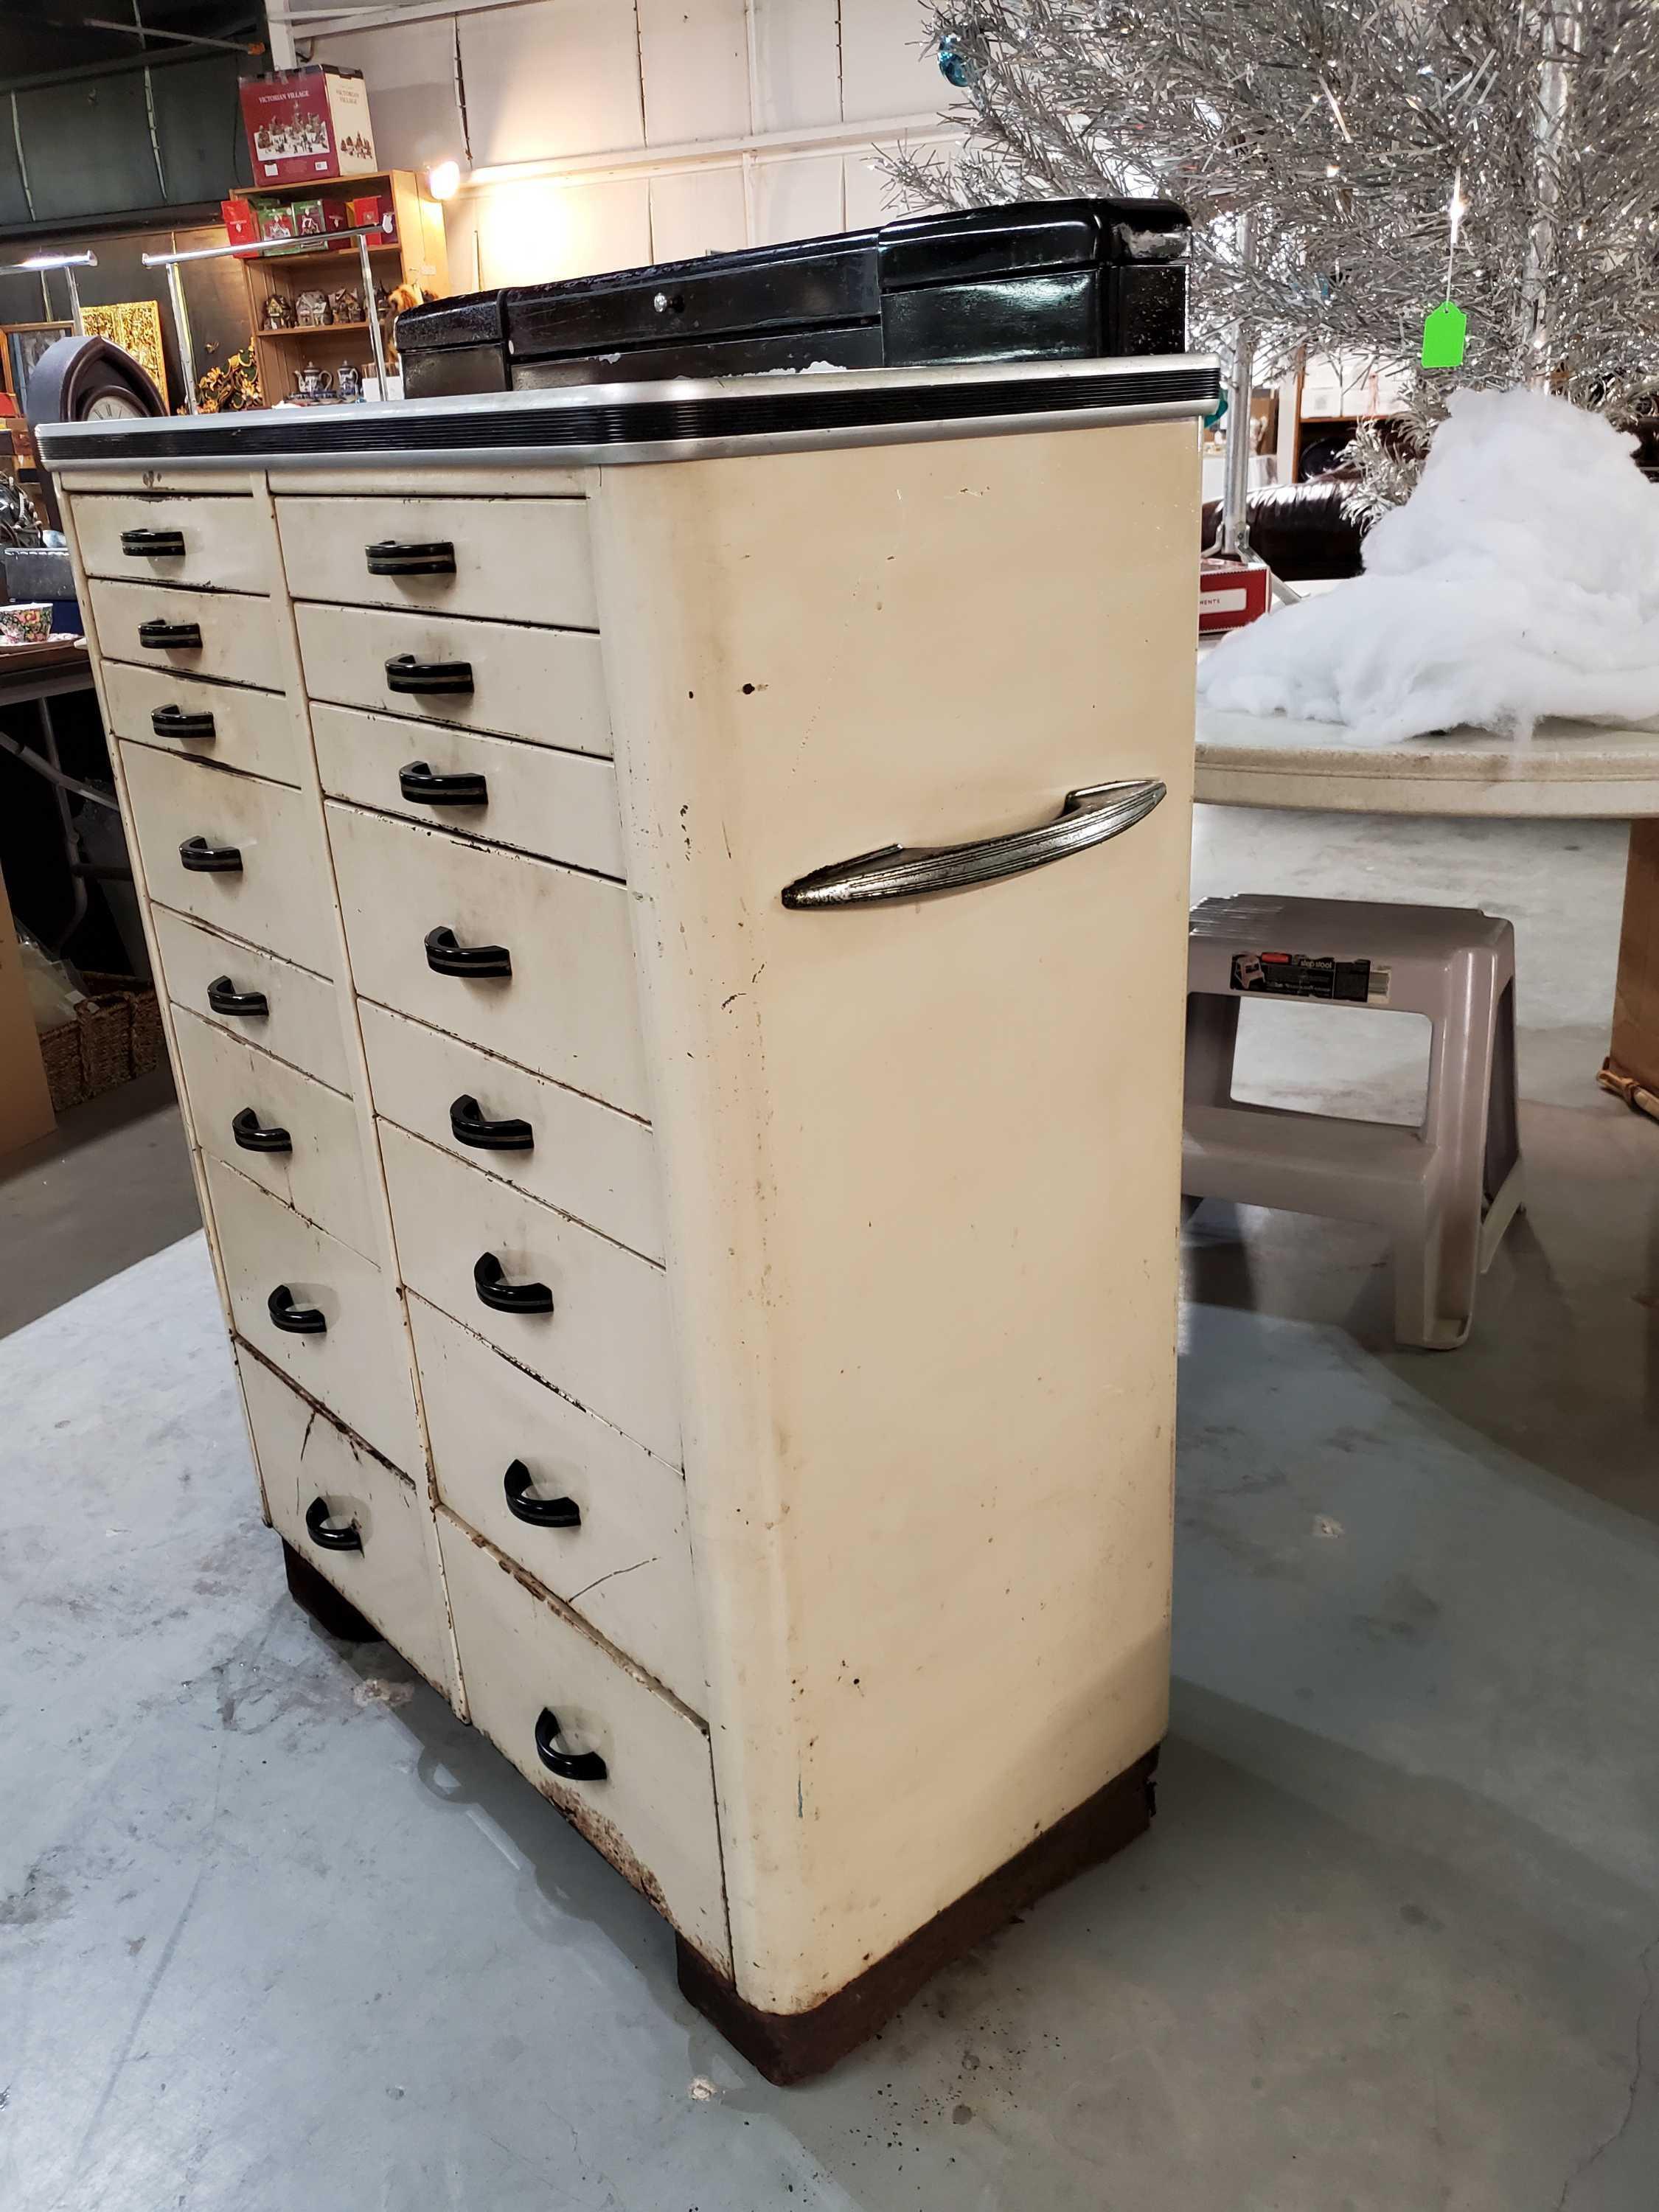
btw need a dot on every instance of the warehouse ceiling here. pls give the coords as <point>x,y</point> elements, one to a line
<point>43,40</point>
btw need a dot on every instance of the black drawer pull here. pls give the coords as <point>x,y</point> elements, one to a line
<point>167,637</point>
<point>446,955</point>
<point>405,673</point>
<point>318,1517</point>
<point>468,1127</point>
<point>224,997</point>
<point>292,1320</point>
<point>392,558</point>
<point>201,859</point>
<point>417,781</point>
<point>173,722</point>
<point>152,544</point>
<point>540,1512</point>
<point>569,1765</point>
<point>490,1281</point>
<point>246,1128</point>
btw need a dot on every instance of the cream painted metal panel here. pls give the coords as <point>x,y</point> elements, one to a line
<point>654,1814</point>
<point>694,64</point>
<point>606,1343</point>
<point>889,64</point>
<point>586,1159</point>
<point>302,1026</point>
<point>798,58</point>
<point>226,547</point>
<point>545,685</point>
<point>324,1175</point>
<point>392,1577</point>
<point>627,1568</point>
<point>516,560</point>
<point>568,1007</point>
<point>559,77</point>
<point>252,731</point>
<point>555,805</point>
<point>920,1160</point>
<point>358,1367</point>
<point>798,199</point>
<point>697,211</point>
<point>279,897</point>
<point>241,642</point>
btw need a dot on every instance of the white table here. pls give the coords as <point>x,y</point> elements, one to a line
<point>1566,770</point>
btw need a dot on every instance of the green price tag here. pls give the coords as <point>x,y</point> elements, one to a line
<point>1443,331</point>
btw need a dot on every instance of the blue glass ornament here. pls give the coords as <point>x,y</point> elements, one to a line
<point>957,64</point>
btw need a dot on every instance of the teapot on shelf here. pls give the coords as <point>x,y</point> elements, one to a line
<point>315,385</point>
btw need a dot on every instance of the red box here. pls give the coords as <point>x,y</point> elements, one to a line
<point>307,123</point>
<point>1231,594</point>
<point>372,211</point>
<point>242,224</point>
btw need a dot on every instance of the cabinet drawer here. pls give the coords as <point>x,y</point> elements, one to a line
<point>392,1574</point>
<point>544,685</point>
<point>301,1021</point>
<point>514,559</point>
<point>557,805</point>
<point>585,1159</point>
<point>626,1565</point>
<point>359,1366</point>
<point>241,636</point>
<point>569,1007</point>
<point>252,731</point>
<point>215,544</point>
<point>322,1174</point>
<point>652,1815</point>
<point>278,898</point>
<point>606,1342</point>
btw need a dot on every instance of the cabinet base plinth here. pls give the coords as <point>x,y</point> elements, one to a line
<point>315,1595</point>
<point>792,2046</point>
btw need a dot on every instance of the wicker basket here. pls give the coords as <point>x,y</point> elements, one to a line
<point>116,1034</point>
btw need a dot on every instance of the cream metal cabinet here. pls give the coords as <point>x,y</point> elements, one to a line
<point>673,917</point>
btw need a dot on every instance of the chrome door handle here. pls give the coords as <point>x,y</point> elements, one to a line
<point>1089,815</point>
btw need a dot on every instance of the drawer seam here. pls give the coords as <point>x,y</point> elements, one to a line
<point>276,1197</point>
<point>248,944</point>
<point>203,760</point>
<point>541,1382</point>
<point>325,1412</point>
<point>436,721</point>
<point>381,607</point>
<point>194,676</point>
<point>579,1622</point>
<point>210,1022</point>
<point>559,1213</point>
<point>540,1074</point>
<point>461,836</point>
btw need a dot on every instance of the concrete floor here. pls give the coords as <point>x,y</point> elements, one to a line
<point>275,1931</point>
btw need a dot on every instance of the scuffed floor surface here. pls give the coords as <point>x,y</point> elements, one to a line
<point>276,1934</point>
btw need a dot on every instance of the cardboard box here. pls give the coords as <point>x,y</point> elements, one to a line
<point>276,223</point>
<point>1231,594</point>
<point>306,122</point>
<point>1630,1070</point>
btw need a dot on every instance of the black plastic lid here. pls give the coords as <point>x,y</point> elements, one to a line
<point>965,243</point>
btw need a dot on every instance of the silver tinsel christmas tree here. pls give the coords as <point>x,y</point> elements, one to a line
<point>1341,129</point>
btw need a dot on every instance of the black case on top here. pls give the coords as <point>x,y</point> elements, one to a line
<point>1047,281</point>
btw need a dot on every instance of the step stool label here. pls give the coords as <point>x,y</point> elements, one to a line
<point>1312,975</point>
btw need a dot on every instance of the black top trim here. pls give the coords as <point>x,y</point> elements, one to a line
<point>360,431</point>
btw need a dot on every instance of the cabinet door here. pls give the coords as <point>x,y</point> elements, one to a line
<point>652,1811</point>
